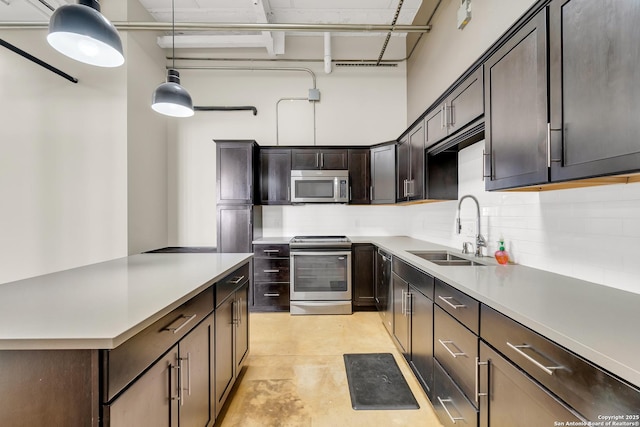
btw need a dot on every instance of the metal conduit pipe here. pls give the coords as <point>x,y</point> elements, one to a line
<point>241,68</point>
<point>203,26</point>
<point>277,118</point>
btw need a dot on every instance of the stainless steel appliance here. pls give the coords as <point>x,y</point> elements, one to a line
<point>320,275</point>
<point>319,186</point>
<point>383,290</point>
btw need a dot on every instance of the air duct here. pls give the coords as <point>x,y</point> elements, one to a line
<point>327,52</point>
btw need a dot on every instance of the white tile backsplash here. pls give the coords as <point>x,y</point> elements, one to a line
<point>589,233</point>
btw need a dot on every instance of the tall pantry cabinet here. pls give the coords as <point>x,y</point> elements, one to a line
<point>239,221</point>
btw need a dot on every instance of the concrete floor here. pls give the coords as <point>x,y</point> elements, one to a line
<point>295,374</point>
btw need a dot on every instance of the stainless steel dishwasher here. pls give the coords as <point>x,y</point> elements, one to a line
<point>383,289</point>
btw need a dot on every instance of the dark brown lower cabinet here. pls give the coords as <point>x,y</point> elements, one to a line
<point>512,398</point>
<point>231,341</point>
<point>363,276</point>
<point>401,316</point>
<point>176,390</point>
<point>422,339</point>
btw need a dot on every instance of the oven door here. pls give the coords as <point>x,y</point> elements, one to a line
<point>320,276</point>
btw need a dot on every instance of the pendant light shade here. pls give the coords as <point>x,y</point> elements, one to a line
<point>171,99</point>
<point>81,32</point>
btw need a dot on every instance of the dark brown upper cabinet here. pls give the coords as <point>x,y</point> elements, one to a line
<point>516,109</point>
<point>359,176</point>
<point>410,166</point>
<point>580,121</point>
<point>275,176</point>
<point>461,107</point>
<point>319,158</point>
<point>383,174</point>
<point>235,165</point>
<point>595,95</point>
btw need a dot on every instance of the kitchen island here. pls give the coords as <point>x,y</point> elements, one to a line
<point>72,343</point>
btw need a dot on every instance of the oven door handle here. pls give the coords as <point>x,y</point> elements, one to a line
<point>304,252</point>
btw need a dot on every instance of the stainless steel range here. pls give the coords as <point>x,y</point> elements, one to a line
<point>320,275</point>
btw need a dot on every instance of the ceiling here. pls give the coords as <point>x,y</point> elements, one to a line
<point>263,24</point>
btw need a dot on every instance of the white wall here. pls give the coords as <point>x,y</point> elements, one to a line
<point>63,162</point>
<point>358,106</point>
<point>82,166</point>
<point>446,52</point>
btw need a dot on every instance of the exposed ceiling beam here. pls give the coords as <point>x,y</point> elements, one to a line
<point>262,10</point>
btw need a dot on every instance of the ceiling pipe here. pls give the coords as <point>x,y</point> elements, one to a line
<point>203,26</point>
<point>393,24</point>
<point>327,53</point>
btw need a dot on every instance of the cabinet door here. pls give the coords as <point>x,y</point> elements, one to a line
<point>152,399</point>
<point>383,174</point>
<point>241,342</point>
<point>416,178</point>
<point>234,170</point>
<point>224,363</point>
<point>401,313</point>
<point>422,339</point>
<point>513,398</point>
<point>402,169</point>
<point>334,159</point>
<point>435,127</point>
<point>275,176</point>
<point>305,159</point>
<point>384,291</point>
<point>197,374</point>
<point>363,283</point>
<point>359,176</point>
<point>466,102</point>
<point>235,228</point>
<point>595,96</point>
<point>516,109</point>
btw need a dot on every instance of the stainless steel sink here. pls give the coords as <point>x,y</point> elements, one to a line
<point>444,258</point>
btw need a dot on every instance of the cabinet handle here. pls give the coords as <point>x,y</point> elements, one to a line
<point>452,119</point>
<point>271,271</point>
<point>321,160</point>
<point>548,145</point>
<point>409,296</point>
<point>455,355</point>
<point>178,396</point>
<point>236,281</point>
<point>350,193</point>
<point>317,162</point>
<point>371,192</point>
<point>234,313</point>
<point>484,174</point>
<point>189,373</point>
<point>442,113</point>
<point>272,294</point>
<point>239,308</point>
<point>451,417</point>
<point>454,306</point>
<point>477,388</point>
<point>271,251</point>
<point>547,369</point>
<point>174,329</point>
<point>404,300</point>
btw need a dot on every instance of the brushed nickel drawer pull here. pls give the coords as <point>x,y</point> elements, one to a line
<point>454,306</point>
<point>271,271</point>
<point>272,294</point>
<point>238,280</point>
<point>174,329</point>
<point>547,369</point>
<point>271,251</point>
<point>451,417</point>
<point>477,388</point>
<point>455,355</point>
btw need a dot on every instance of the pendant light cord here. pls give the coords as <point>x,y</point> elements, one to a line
<point>173,33</point>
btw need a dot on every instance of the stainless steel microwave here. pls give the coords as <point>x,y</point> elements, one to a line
<point>319,186</point>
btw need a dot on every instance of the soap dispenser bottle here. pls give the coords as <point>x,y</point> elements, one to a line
<point>501,255</point>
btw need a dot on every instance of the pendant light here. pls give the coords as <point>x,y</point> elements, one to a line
<point>81,32</point>
<point>170,98</point>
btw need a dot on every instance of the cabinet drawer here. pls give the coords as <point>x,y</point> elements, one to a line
<point>421,281</point>
<point>271,269</point>
<point>125,362</point>
<point>459,305</point>
<point>456,348</point>
<point>271,251</point>
<point>271,294</point>
<point>452,407</point>
<point>587,388</point>
<point>230,283</point>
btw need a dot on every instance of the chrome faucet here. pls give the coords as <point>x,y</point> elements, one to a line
<point>480,241</point>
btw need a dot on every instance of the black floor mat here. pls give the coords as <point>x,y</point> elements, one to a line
<point>375,382</point>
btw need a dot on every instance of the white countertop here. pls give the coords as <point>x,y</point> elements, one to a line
<point>99,306</point>
<point>597,322</point>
